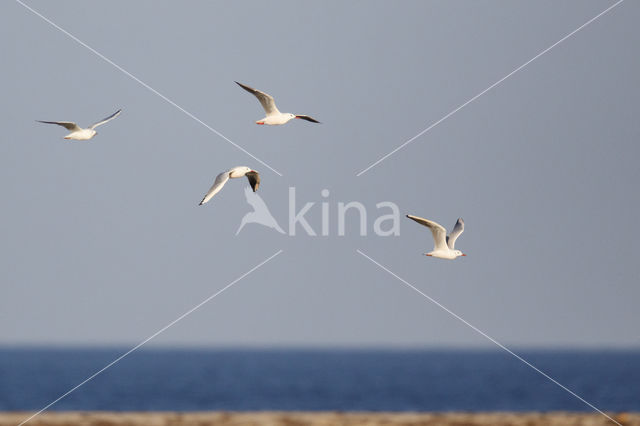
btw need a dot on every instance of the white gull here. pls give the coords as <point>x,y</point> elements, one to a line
<point>273,117</point>
<point>236,172</point>
<point>77,132</point>
<point>444,245</point>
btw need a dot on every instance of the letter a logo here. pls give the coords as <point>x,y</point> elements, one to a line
<point>260,214</point>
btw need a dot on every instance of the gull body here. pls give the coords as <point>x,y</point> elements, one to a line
<point>78,133</point>
<point>443,244</point>
<point>234,173</point>
<point>273,117</point>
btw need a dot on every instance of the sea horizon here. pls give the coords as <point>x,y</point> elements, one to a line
<point>312,379</point>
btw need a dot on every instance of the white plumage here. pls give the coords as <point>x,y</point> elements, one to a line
<point>443,244</point>
<point>273,117</point>
<point>77,132</point>
<point>236,172</point>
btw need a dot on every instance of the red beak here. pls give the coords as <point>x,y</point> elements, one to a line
<point>463,254</point>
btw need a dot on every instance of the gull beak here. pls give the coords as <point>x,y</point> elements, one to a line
<point>463,254</point>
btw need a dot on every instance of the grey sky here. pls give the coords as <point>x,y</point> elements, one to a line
<point>104,243</point>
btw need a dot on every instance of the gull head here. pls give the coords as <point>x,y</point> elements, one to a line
<point>458,253</point>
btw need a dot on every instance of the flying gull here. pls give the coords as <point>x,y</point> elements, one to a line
<point>273,117</point>
<point>78,133</point>
<point>236,172</point>
<point>444,245</point>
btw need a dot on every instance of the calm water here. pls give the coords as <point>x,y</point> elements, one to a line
<point>318,380</point>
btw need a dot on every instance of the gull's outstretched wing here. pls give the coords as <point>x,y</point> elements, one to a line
<point>69,125</point>
<point>437,230</point>
<point>109,118</point>
<point>265,99</point>
<point>221,179</point>
<point>254,180</point>
<point>306,117</point>
<point>453,236</point>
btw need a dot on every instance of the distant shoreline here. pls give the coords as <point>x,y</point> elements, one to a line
<point>223,418</point>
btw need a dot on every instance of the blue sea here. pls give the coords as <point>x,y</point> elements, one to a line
<point>369,380</point>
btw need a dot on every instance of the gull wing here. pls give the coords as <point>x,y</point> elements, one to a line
<point>221,179</point>
<point>69,125</point>
<point>254,180</point>
<point>265,99</point>
<point>109,118</point>
<point>308,118</point>
<point>453,236</point>
<point>437,230</point>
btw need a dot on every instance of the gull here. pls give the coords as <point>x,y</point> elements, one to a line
<point>236,172</point>
<point>273,117</point>
<point>260,213</point>
<point>78,133</point>
<point>444,245</point>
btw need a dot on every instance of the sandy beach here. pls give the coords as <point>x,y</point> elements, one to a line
<point>316,419</point>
